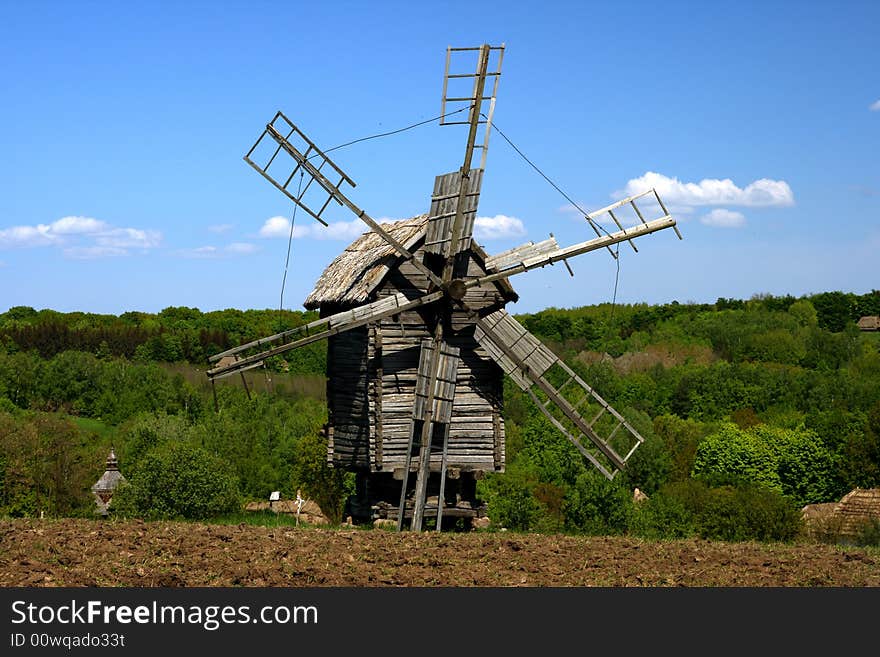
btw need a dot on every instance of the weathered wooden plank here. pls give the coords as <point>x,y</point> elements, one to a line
<point>520,253</point>
<point>376,434</point>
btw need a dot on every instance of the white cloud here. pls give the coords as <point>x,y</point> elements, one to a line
<point>210,251</point>
<point>338,230</point>
<point>39,235</point>
<point>199,252</point>
<point>724,218</point>
<point>220,228</point>
<point>77,226</point>
<point>241,248</point>
<point>129,238</point>
<point>275,227</point>
<point>92,252</point>
<point>875,106</point>
<point>711,191</point>
<point>486,228</point>
<point>498,227</point>
<point>81,237</point>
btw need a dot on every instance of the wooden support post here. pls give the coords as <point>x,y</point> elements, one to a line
<point>443,463</point>
<point>424,471</point>
<point>244,383</point>
<point>401,509</point>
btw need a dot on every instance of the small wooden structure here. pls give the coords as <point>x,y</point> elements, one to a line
<point>107,484</point>
<point>847,519</point>
<point>869,323</point>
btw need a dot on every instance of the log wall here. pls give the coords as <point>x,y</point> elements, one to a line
<point>372,376</point>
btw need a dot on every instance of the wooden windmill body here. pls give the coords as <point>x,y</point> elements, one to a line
<point>372,373</point>
<point>419,341</point>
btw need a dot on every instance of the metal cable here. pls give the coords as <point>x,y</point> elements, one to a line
<point>547,178</point>
<point>287,260</point>
<point>393,132</point>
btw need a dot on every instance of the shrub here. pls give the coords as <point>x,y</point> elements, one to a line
<point>793,462</point>
<point>328,487</point>
<point>597,506</point>
<point>663,516</point>
<point>178,480</point>
<point>510,500</point>
<point>734,512</point>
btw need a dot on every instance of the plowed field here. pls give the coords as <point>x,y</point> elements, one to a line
<point>134,553</point>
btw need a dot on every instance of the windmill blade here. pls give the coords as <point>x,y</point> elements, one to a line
<point>560,393</point>
<point>512,268</point>
<point>309,160</point>
<point>441,395</point>
<point>444,208</point>
<point>468,184</point>
<point>519,253</point>
<point>434,397</point>
<point>320,329</point>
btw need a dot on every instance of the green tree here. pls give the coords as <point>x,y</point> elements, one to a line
<point>595,505</point>
<point>329,487</point>
<point>792,462</point>
<point>178,480</point>
<point>804,312</point>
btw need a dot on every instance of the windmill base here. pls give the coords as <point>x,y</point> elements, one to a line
<point>377,497</point>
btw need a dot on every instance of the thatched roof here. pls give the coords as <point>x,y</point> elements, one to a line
<point>356,272</point>
<point>869,323</point>
<point>848,517</point>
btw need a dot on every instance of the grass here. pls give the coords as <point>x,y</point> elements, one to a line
<point>283,384</point>
<point>264,518</point>
<point>106,432</point>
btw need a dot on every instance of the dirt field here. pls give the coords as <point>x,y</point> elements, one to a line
<point>133,553</point>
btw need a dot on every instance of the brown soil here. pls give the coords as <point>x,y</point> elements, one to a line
<point>133,553</point>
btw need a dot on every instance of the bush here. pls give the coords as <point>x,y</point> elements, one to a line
<point>178,480</point>
<point>328,487</point>
<point>510,500</point>
<point>793,462</point>
<point>597,506</point>
<point>663,516</point>
<point>733,512</point>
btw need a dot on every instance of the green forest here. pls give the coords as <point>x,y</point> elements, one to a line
<point>750,409</point>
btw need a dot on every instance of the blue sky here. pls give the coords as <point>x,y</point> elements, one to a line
<point>123,127</point>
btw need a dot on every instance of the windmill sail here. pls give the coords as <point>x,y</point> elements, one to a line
<point>320,329</point>
<point>511,267</point>
<point>436,380</point>
<point>444,205</point>
<point>598,431</point>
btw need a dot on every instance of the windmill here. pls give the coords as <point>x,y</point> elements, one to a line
<point>418,338</point>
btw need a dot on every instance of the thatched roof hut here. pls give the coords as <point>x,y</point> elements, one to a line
<point>846,519</point>
<point>869,323</point>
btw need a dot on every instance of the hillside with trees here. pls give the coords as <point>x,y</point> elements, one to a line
<point>750,409</point>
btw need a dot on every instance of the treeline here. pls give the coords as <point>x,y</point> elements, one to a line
<point>176,334</point>
<point>749,409</point>
<point>183,334</point>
